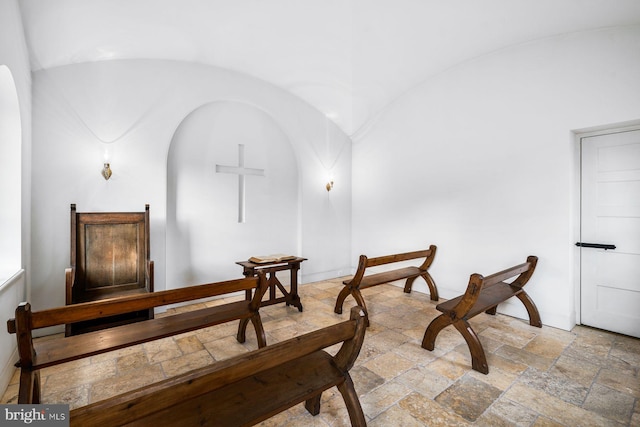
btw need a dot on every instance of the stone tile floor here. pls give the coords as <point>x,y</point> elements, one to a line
<point>538,377</point>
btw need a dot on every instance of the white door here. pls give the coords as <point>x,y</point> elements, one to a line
<point>610,215</point>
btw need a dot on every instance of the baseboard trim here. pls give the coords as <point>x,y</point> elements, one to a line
<point>8,371</point>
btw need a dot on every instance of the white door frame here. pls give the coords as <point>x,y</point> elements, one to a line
<point>576,196</point>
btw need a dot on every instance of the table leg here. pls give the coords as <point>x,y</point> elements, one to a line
<point>295,298</point>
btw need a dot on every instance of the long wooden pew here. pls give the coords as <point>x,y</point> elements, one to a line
<point>246,389</point>
<point>38,354</point>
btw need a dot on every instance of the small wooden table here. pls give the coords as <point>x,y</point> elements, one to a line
<point>289,297</point>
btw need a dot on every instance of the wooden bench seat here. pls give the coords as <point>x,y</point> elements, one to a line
<point>361,281</point>
<point>38,354</point>
<point>390,276</point>
<point>246,389</point>
<point>483,294</point>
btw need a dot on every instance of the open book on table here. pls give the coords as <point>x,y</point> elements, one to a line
<point>263,259</point>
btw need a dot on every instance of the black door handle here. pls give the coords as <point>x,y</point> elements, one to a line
<point>595,245</point>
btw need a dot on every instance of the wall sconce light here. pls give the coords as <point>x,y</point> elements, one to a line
<point>329,185</point>
<point>106,171</point>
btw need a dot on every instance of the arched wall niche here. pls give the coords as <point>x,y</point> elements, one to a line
<point>10,176</point>
<point>204,234</point>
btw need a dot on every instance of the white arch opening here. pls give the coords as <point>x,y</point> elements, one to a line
<point>10,177</point>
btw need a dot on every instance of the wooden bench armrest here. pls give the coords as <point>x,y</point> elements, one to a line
<point>128,407</point>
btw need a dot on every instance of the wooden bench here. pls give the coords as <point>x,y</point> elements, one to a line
<point>57,350</point>
<point>360,281</point>
<point>483,294</point>
<point>246,389</point>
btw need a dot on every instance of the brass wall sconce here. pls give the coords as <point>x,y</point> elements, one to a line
<point>329,185</point>
<point>106,171</point>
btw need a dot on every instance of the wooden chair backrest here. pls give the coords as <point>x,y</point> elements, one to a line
<point>110,253</point>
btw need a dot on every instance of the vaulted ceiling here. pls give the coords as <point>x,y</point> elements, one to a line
<point>347,58</point>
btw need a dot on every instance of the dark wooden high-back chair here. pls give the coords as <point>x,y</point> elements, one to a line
<point>109,258</point>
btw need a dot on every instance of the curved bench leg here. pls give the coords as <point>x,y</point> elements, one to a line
<point>408,284</point>
<point>534,315</point>
<point>433,289</point>
<point>348,391</point>
<point>478,359</point>
<point>260,335</point>
<point>257,325</point>
<point>344,293</point>
<point>434,328</point>
<point>242,330</point>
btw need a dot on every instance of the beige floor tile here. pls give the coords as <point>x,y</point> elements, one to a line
<point>544,346</point>
<point>225,348</point>
<point>554,408</point>
<point>555,385</point>
<point>522,356</point>
<point>190,343</point>
<point>578,370</point>
<point>365,380</point>
<point>161,350</point>
<point>187,363</point>
<point>496,377</point>
<point>620,381</point>
<point>507,335</point>
<point>413,351</point>
<point>424,381</point>
<point>452,365</point>
<point>121,384</point>
<point>85,375</point>
<point>468,397</point>
<point>131,361</point>
<point>610,403</point>
<point>546,422</point>
<point>383,397</point>
<point>389,365</point>
<point>395,416</point>
<point>429,412</point>
<point>511,413</point>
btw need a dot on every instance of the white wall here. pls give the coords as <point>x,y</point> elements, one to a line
<point>128,111</point>
<point>14,54</point>
<point>204,233</point>
<point>480,160</point>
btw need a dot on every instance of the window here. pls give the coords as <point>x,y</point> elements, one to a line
<point>10,177</point>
